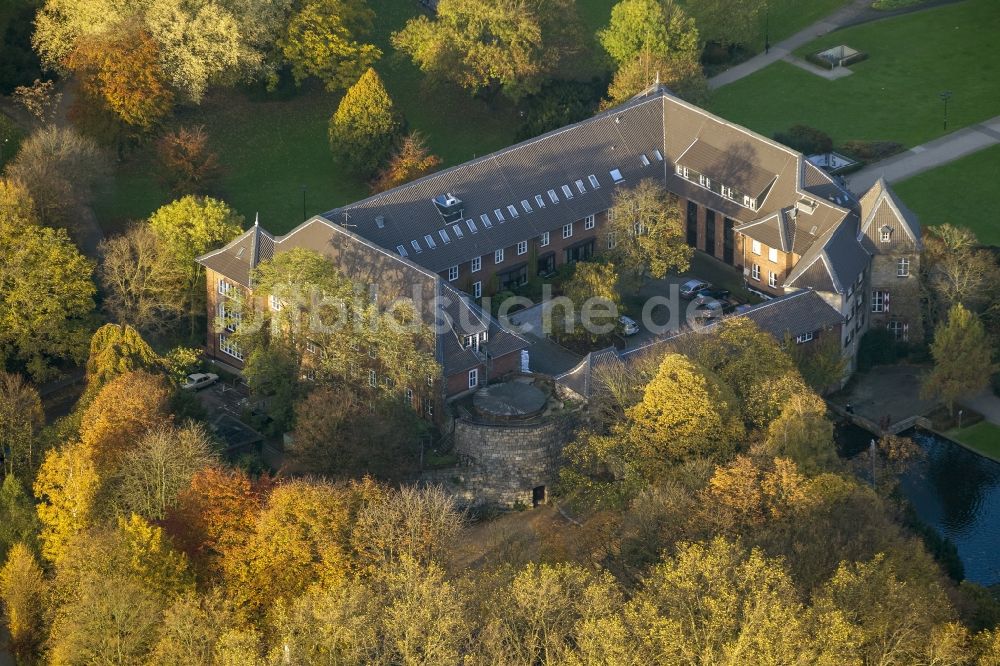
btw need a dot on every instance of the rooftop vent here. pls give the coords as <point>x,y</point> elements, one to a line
<point>380,221</point>
<point>449,206</point>
<point>807,206</point>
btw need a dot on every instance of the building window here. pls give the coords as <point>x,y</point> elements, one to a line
<point>372,379</point>
<point>755,247</point>
<point>749,202</point>
<point>227,346</point>
<point>498,256</point>
<point>772,255</point>
<point>275,303</point>
<point>545,239</point>
<point>755,272</point>
<point>772,279</point>
<point>902,267</point>
<point>226,288</point>
<point>899,330</point>
<point>567,230</point>
<point>612,241</point>
<point>805,337</point>
<point>452,273</point>
<point>880,301</point>
<point>588,222</point>
<point>727,192</point>
<point>229,318</point>
<point>473,378</point>
<point>477,264</point>
<point>885,234</point>
<point>477,289</point>
<point>522,247</point>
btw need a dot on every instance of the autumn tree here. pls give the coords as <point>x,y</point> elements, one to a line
<point>40,99</point>
<point>822,364</point>
<point>18,520</point>
<point>66,488</point>
<point>23,591</point>
<point>409,161</point>
<point>161,466</point>
<point>188,228</point>
<point>192,628</point>
<point>122,71</point>
<point>364,128</point>
<point>752,363</point>
<point>656,28</point>
<point>21,417</point>
<point>803,433</point>
<point>958,271</point>
<point>492,46</point>
<point>46,293</point>
<point>682,75</point>
<point>62,170</point>
<point>116,350</point>
<point>144,286</point>
<point>593,291</point>
<point>324,39</point>
<point>648,232</point>
<point>187,163</point>
<point>962,358</point>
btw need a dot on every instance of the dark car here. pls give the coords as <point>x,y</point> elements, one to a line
<point>710,293</point>
<point>690,288</point>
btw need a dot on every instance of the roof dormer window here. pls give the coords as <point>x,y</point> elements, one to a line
<point>885,233</point>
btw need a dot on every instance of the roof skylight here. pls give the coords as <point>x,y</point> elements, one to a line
<point>593,181</point>
<point>616,175</point>
<point>487,222</point>
<point>402,251</point>
<point>568,193</point>
<point>416,246</point>
<point>430,241</point>
<point>458,230</point>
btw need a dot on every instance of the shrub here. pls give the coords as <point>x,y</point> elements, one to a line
<point>870,150</point>
<point>878,347</point>
<point>187,164</point>
<point>805,139</point>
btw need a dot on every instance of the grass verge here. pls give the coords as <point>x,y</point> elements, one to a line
<point>983,438</point>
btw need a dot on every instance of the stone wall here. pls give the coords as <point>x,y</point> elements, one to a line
<point>904,294</point>
<point>503,464</point>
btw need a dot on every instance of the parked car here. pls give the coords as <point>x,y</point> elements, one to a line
<point>711,292</point>
<point>628,325</point>
<point>199,380</point>
<point>713,309</point>
<point>692,287</point>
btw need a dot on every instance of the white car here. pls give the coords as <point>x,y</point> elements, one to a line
<point>691,288</point>
<point>628,325</point>
<point>199,380</point>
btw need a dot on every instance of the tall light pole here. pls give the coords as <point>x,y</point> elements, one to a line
<point>945,95</point>
<point>767,28</point>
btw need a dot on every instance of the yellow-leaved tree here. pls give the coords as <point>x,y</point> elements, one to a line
<point>23,591</point>
<point>66,488</point>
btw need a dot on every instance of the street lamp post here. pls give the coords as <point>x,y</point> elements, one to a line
<point>767,28</point>
<point>960,419</point>
<point>945,95</point>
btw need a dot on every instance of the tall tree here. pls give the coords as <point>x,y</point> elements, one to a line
<point>61,169</point>
<point>21,418</point>
<point>803,433</point>
<point>323,39</point>
<point>46,294</point>
<point>652,27</point>
<point>593,289</point>
<point>729,22</point>
<point>116,350</point>
<point>963,358</point>
<point>122,71</point>
<point>192,627</point>
<point>958,271</point>
<point>409,161</point>
<point>686,410</point>
<point>66,488</point>
<point>18,520</point>
<point>189,227</point>
<point>144,286</point>
<point>493,45</point>
<point>682,75</point>
<point>188,164</point>
<point>364,127</point>
<point>23,591</point>
<point>648,232</point>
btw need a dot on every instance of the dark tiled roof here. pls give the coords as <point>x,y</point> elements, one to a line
<point>241,255</point>
<point>794,314</point>
<point>881,194</point>
<point>733,168</point>
<point>839,253</point>
<point>467,318</point>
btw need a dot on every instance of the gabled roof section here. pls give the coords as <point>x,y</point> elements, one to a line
<point>560,176</point>
<point>795,314</point>
<point>820,183</point>
<point>467,318</point>
<point>733,167</point>
<point>834,261</point>
<point>880,197</point>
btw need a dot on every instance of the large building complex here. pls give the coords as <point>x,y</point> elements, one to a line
<point>487,225</point>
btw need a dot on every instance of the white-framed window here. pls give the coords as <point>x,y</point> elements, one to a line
<point>900,330</point>
<point>477,264</point>
<point>704,181</point>
<point>772,255</point>
<point>498,256</point>
<point>755,247</point>
<point>611,214</point>
<point>227,346</point>
<point>372,379</point>
<point>275,303</point>
<point>616,175</point>
<point>612,240</point>
<point>230,318</point>
<point>805,337</point>
<point>526,206</point>
<point>902,267</point>
<point>225,287</point>
<point>880,301</point>
<point>452,273</point>
<point>755,272</point>
<point>512,211</point>
<point>580,188</point>
<point>474,378</point>
<point>568,193</point>
<point>593,181</point>
<point>477,289</point>
<point>886,234</point>
<point>545,239</point>
<point>749,202</point>
<point>772,279</point>
<point>567,230</point>
<point>522,247</point>
<point>681,171</point>
<point>588,222</point>
<point>725,191</point>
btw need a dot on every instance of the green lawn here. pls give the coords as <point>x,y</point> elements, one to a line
<point>894,94</point>
<point>960,193</point>
<point>984,438</point>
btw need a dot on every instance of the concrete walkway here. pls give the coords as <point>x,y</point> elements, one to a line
<point>928,156</point>
<point>846,15</point>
